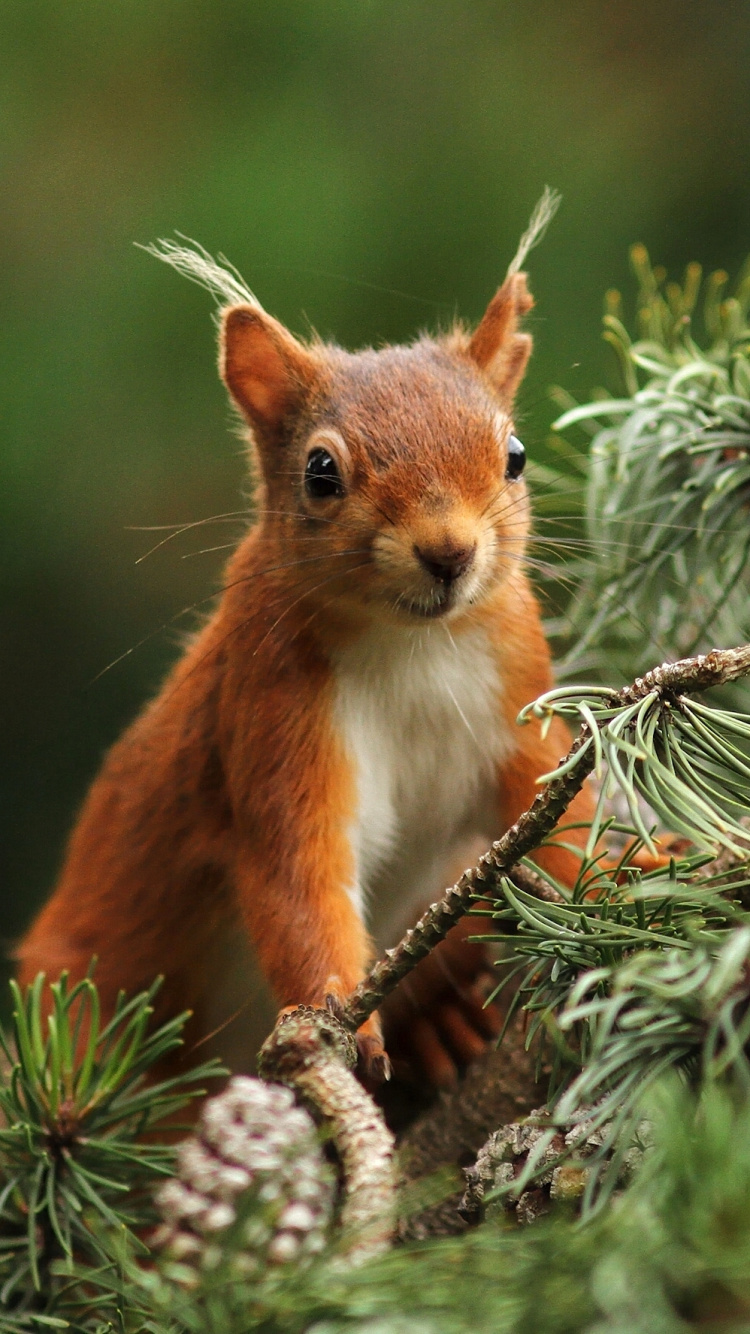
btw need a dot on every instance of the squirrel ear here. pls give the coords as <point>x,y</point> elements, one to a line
<point>496,346</point>
<point>265,369</point>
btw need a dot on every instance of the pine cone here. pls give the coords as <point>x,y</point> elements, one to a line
<point>253,1187</point>
<point>506,1153</point>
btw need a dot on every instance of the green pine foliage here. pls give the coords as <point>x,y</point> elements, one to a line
<point>689,761</point>
<point>664,571</point>
<point>76,1113</point>
<point>671,1254</point>
<point>619,1011</point>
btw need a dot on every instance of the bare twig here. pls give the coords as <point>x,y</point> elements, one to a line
<point>690,674</point>
<point>314,1054</point>
<point>535,884</point>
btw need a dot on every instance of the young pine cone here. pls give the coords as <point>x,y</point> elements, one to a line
<point>506,1153</point>
<point>253,1187</point>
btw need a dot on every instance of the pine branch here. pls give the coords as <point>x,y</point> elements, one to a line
<point>76,1116</point>
<point>314,1054</point>
<point>664,569</point>
<point>662,683</point>
<point>684,1009</point>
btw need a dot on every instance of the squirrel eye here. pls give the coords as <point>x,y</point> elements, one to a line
<point>516,459</point>
<point>322,477</point>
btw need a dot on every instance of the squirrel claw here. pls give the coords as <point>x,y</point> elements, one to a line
<point>374,1064</point>
<point>333,1004</point>
<point>380,1068</point>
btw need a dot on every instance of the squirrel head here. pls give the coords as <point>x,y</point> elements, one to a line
<point>393,476</point>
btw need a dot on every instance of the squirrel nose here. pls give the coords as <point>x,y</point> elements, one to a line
<point>446,563</point>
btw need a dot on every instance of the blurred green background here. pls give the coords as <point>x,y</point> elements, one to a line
<point>369,166</point>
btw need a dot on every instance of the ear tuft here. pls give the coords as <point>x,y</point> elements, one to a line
<point>267,372</point>
<point>496,346</point>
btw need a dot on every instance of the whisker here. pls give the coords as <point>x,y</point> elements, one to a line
<point>206,551</point>
<point>232,516</point>
<point>307,593</point>
<point>305,560</point>
<point>302,560</point>
<point>555,574</point>
<point>632,521</point>
<point>512,496</point>
<point>382,512</point>
<point>229,546</point>
<point>297,514</point>
<point>177,529</point>
<point>459,710</point>
<point>195,606</point>
<point>184,524</point>
<point>241,625</point>
<point>315,612</point>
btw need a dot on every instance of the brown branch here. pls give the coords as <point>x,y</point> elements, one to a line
<point>690,674</point>
<point>503,1085</point>
<point>313,1054</point>
<point>533,883</point>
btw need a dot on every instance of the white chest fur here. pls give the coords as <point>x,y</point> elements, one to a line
<point>420,719</point>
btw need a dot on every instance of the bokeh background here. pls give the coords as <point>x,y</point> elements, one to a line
<point>369,166</point>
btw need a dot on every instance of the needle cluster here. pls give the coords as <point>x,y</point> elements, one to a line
<point>665,568</point>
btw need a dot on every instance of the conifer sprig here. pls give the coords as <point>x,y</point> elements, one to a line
<point>668,492</point>
<point>75,1110</point>
<point>686,759</point>
<point>623,978</point>
<point>684,1008</point>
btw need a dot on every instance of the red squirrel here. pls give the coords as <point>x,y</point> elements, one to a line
<point>345,721</point>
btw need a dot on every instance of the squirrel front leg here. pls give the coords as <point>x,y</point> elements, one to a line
<point>292,793</point>
<point>308,935</point>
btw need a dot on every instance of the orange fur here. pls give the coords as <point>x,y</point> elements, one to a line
<point>517,785</point>
<point>230,804</point>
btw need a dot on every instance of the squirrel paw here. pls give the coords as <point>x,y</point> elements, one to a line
<point>373,1065</point>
